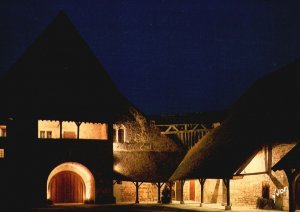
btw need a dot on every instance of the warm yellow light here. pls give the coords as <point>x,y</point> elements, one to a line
<point>82,171</point>
<point>51,129</point>
<point>1,153</point>
<point>2,130</point>
<point>117,168</point>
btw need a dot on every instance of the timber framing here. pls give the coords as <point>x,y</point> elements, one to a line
<point>188,134</point>
<point>267,150</point>
<point>137,185</point>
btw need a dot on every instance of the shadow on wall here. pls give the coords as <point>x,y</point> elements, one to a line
<point>214,198</point>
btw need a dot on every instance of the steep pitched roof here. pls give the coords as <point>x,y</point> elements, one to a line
<point>59,77</point>
<point>290,160</point>
<point>267,113</point>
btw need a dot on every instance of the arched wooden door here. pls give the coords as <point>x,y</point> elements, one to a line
<point>297,193</point>
<point>67,187</point>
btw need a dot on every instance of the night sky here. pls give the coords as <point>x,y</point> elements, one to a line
<point>168,56</point>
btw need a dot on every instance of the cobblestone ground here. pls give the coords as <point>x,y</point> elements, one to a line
<point>174,207</point>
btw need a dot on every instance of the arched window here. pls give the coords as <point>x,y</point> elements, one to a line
<point>119,133</point>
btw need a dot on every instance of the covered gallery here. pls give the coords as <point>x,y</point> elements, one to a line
<point>260,129</point>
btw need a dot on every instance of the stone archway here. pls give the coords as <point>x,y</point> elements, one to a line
<point>67,187</point>
<point>70,182</point>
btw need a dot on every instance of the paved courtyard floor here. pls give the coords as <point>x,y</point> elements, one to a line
<point>145,207</point>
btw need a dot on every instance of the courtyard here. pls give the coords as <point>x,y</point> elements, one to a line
<point>190,206</point>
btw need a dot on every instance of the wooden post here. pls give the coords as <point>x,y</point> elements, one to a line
<point>202,181</point>
<point>78,123</point>
<point>137,185</point>
<point>227,184</point>
<point>60,129</point>
<point>136,192</point>
<point>171,194</point>
<point>269,159</point>
<point>117,134</point>
<point>158,191</point>
<point>289,174</point>
<point>181,191</point>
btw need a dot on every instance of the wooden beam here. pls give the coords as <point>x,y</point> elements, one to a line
<point>184,131</point>
<point>202,181</point>
<point>78,123</point>
<point>159,185</point>
<point>137,185</point>
<point>181,191</point>
<point>245,164</point>
<point>227,184</point>
<point>290,175</point>
<point>171,197</point>
<point>195,127</point>
<point>60,129</point>
<point>203,127</point>
<point>269,170</point>
<point>254,173</point>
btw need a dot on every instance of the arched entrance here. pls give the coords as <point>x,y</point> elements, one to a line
<point>67,187</point>
<point>70,182</point>
<point>297,192</point>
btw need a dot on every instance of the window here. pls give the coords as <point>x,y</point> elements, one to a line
<point>49,134</point>
<point>49,129</point>
<point>119,134</point>
<point>2,130</point>
<point>42,134</point>
<point>1,153</point>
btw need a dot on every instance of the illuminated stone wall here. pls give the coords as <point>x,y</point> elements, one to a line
<point>125,192</point>
<point>213,192</point>
<point>93,131</point>
<point>141,131</point>
<point>244,191</point>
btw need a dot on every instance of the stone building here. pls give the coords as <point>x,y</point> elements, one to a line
<point>234,161</point>
<point>67,135</point>
<point>65,129</point>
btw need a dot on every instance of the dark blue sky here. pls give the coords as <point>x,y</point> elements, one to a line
<point>168,56</point>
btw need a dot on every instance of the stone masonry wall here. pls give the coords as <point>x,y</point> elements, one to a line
<point>125,192</point>
<point>245,190</point>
